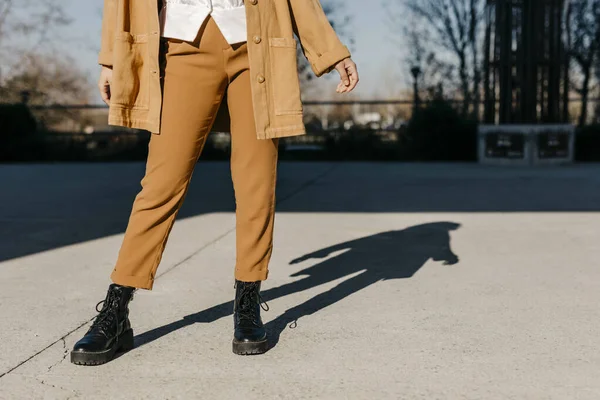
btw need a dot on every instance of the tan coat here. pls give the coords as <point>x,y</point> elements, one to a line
<point>131,42</point>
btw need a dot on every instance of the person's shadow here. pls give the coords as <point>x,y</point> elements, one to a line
<point>387,255</point>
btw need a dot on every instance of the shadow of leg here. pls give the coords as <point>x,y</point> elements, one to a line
<point>387,255</point>
<point>223,310</point>
<point>208,315</point>
<point>337,293</point>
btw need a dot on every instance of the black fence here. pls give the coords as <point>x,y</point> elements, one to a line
<point>380,130</point>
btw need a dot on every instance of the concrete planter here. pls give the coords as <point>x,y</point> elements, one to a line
<point>526,144</point>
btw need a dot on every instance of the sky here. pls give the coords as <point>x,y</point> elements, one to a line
<point>381,70</point>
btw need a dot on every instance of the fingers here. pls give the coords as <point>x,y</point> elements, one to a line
<point>104,88</point>
<point>344,79</point>
<point>348,77</point>
<point>105,93</point>
<point>341,68</point>
<point>353,74</point>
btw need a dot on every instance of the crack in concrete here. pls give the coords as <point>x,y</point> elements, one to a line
<point>301,188</point>
<point>74,392</point>
<point>45,348</point>
<point>64,356</point>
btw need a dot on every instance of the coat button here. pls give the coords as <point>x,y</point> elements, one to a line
<point>257,39</point>
<point>260,78</point>
<point>253,2</point>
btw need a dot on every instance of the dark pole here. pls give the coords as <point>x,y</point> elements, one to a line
<point>25,96</point>
<point>504,58</point>
<point>566,52</point>
<point>416,71</point>
<point>489,104</point>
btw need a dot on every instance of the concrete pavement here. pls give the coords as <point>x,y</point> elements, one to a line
<point>416,281</point>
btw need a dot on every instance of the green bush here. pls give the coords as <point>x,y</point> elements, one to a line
<point>437,132</point>
<point>18,134</point>
<point>354,144</point>
<point>587,143</point>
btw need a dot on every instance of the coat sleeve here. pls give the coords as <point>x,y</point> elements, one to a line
<point>320,44</point>
<point>109,17</point>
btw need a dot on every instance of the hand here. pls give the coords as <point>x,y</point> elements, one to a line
<point>307,257</point>
<point>451,260</point>
<point>348,76</point>
<point>104,84</point>
<point>298,260</point>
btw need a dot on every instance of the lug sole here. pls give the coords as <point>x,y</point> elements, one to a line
<point>124,344</point>
<point>250,348</point>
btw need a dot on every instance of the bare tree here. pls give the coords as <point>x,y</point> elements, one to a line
<point>29,61</point>
<point>26,28</point>
<point>446,35</point>
<point>435,75</point>
<point>412,38</point>
<point>475,14</point>
<point>583,35</point>
<point>48,80</point>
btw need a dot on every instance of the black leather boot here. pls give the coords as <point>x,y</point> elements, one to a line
<point>111,331</point>
<point>249,335</point>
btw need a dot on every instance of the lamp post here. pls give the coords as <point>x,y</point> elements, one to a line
<point>25,94</point>
<point>416,72</point>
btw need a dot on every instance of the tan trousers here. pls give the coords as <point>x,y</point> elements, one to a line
<point>196,78</point>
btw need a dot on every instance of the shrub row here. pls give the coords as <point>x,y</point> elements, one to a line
<point>436,132</point>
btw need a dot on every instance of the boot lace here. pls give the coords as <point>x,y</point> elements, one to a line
<point>108,314</point>
<point>245,307</point>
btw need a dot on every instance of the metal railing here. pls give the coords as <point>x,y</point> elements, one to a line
<point>81,131</point>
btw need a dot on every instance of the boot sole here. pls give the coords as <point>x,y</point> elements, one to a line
<point>250,348</point>
<point>124,344</point>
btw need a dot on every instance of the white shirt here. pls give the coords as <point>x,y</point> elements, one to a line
<point>182,19</point>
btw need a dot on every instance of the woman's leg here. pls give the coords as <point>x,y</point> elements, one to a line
<point>194,85</point>
<point>254,171</point>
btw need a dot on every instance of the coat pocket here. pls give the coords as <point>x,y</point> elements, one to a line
<point>285,83</point>
<point>131,73</point>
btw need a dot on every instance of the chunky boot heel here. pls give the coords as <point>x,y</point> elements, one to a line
<point>250,348</point>
<point>250,336</point>
<point>124,344</point>
<point>111,331</point>
<point>126,341</point>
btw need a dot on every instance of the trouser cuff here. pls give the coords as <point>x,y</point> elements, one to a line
<point>138,282</point>
<point>251,276</point>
